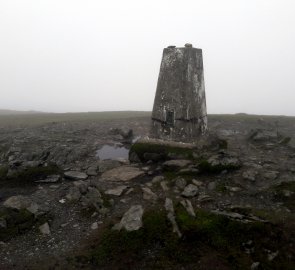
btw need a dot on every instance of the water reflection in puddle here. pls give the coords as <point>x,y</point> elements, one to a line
<point>112,152</point>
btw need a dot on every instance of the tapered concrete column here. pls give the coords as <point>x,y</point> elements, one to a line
<point>179,111</point>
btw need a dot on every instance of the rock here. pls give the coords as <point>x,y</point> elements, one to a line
<point>169,205</point>
<point>133,158</point>
<point>255,265</point>
<point>272,255</point>
<point>177,164</point>
<point>233,189</point>
<point>171,217</point>
<point>44,229</point>
<point>205,198</point>
<point>132,219</point>
<point>123,173</point>
<point>74,194</point>
<point>75,175</point>
<point>94,226</point>
<point>250,175</point>
<point>262,135</point>
<point>188,171</point>
<point>92,171</point>
<point>190,191</point>
<point>158,179</point>
<point>116,191</point>
<point>148,194</point>
<point>93,199</point>
<point>164,186</point>
<point>108,164</point>
<point>189,207</point>
<point>3,223</point>
<point>154,157</point>
<point>211,186</point>
<point>232,215</point>
<point>50,179</point>
<point>82,186</point>
<point>271,175</point>
<point>220,162</point>
<point>180,182</point>
<point>22,202</point>
<point>197,182</point>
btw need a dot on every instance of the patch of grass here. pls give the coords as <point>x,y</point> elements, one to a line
<point>206,237</point>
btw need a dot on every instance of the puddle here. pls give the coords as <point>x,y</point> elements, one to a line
<point>112,152</point>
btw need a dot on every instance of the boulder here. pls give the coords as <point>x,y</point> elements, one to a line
<point>22,202</point>
<point>132,219</point>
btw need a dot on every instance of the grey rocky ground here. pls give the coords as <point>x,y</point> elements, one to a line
<point>87,191</point>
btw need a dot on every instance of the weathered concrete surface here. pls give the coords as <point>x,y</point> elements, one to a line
<point>179,111</point>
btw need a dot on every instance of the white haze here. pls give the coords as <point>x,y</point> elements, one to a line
<point>91,55</point>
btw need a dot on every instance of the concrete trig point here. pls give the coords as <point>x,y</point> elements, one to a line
<point>179,111</point>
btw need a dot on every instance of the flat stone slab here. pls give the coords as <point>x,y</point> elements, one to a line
<point>75,175</point>
<point>123,173</point>
<point>116,191</point>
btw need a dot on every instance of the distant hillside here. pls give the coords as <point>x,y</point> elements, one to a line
<point>13,112</point>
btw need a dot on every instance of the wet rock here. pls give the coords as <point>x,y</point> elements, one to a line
<point>45,229</point>
<point>148,194</point>
<point>116,191</point>
<point>175,165</point>
<point>74,194</point>
<point>132,219</point>
<point>75,175</point>
<point>123,173</point>
<point>190,191</point>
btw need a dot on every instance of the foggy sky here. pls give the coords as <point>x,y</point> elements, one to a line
<point>91,55</point>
